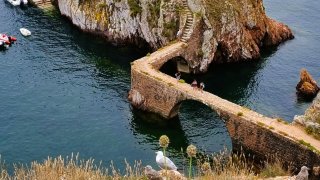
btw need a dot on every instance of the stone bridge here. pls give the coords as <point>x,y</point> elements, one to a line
<point>157,92</point>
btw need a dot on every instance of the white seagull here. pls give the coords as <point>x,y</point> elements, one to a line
<point>164,163</point>
<point>303,174</point>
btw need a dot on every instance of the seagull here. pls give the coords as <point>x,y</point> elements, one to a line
<point>303,174</point>
<point>151,173</point>
<point>164,163</point>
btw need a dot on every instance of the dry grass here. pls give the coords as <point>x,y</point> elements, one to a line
<point>221,167</point>
<point>227,166</point>
<point>70,169</point>
<point>273,169</point>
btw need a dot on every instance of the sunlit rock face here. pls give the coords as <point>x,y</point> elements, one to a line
<point>221,31</point>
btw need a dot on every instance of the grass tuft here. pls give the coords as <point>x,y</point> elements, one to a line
<point>240,114</point>
<point>273,169</point>
<point>181,81</point>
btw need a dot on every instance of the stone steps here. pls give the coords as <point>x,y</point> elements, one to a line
<point>189,22</point>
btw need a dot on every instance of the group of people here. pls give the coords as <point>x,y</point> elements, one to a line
<point>194,83</point>
<point>195,86</point>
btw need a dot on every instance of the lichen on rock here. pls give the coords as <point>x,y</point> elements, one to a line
<point>311,119</point>
<point>221,31</point>
<point>125,21</point>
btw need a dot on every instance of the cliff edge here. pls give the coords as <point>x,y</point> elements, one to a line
<point>218,31</point>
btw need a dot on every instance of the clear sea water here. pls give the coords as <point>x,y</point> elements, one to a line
<point>64,91</point>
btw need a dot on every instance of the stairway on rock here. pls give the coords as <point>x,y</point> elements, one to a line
<point>187,30</point>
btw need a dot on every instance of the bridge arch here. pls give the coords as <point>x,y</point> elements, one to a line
<point>200,120</point>
<point>175,64</point>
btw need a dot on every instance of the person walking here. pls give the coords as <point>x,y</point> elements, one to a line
<point>178,75</point>
<point>202,86</point>
<point>194,84</point>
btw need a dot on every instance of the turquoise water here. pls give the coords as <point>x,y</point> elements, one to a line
<point>64,91</point>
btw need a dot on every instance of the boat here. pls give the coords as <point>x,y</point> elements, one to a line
<point>18,2</point>
<point>25,32</point>
<point>6,41</point>
<point>15,2</point>
<point>3,44</point>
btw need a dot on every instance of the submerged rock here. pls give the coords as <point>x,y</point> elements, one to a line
<point>307,87</point>
<point>219,31</point>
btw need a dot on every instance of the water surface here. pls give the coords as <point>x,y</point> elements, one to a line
<point>64,91</point>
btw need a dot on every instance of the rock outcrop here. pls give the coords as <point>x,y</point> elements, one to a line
<point>307,87</point>
<point>216,31</point>
<point>311,118</point>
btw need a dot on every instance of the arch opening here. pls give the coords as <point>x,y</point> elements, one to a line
<point>203,126</point>
<point>174,65</point>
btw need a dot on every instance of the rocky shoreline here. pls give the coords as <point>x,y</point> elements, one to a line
<point>221,32</point>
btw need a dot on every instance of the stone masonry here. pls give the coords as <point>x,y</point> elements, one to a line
<point>157,92</point>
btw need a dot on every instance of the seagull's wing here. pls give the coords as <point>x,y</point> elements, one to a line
<point>166,163</point>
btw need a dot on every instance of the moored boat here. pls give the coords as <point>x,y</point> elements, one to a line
<point>25,32</point>
<point>6,41</point>
<point>18,2</point>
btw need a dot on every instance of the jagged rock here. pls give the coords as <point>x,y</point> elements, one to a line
<point>311,118</point>
<point>136,99</point>
<point>217,31</point>
<point>152,174</point>
<point>303,174</point>
<point>307,86</point>
<point>172,174</point>
<point>316,170</point>
<point>162,174</point>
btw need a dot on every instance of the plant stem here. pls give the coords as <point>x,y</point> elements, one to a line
<point>190,163</point>
<point>165,161</point>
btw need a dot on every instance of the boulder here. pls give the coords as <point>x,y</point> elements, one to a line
<point>307,87</point>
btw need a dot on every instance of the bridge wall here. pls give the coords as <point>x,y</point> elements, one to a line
<point>156,92</point>
<point>263,143</point>
<point>255,138</point>
<point>157,96</point>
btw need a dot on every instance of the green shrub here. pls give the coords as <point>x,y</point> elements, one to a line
<point>135,8</point>
<point>181,81</point>
<point>240,114</point>
<point>261,124</point>
<point>102,5</point>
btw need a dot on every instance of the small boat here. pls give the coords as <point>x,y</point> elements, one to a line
<point>18,2</point>
<point>15,2</point>
<point>6,41</point>
<point>25,32</point>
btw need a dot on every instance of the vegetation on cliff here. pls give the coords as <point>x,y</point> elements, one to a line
<point>219,166</point>
<point>223,166</point>
<point>220,31</point>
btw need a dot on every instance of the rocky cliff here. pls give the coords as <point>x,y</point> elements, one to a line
<point>217,31</point>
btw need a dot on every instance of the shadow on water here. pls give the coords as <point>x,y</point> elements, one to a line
<point>153,126</point>
<point>196,124</point>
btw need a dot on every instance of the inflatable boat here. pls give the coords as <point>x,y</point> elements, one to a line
<point>6,41</point>
<point>18,2</point>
